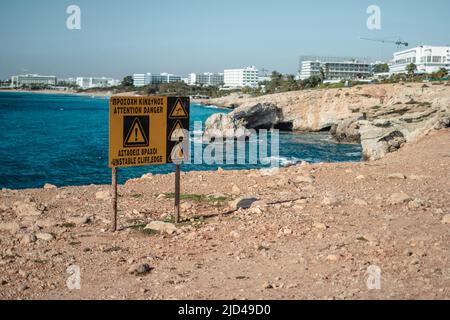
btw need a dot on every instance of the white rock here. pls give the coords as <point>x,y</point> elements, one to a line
<point>47,223</point>
<point>330,200</point>
<point>44,236</point>
<point>319,226</point>
<point>78,221</point>
<point>332,258</point>
<point>147,176</point>
<point>49,186</point>
<point>103,195</point>
<point>398,198</point>
<point>234,234</point>
<point>163,227</point>
<point>399,176</point>
<point>26,208</point>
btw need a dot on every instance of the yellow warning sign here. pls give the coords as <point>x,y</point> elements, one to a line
<point>137,131</point>
<point>177,133</point>
<point>178,111</point>
<point>142,132</point>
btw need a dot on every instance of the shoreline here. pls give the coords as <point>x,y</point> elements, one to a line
<point>102,94</point>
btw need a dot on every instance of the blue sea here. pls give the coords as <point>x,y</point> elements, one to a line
<point>63,140</point>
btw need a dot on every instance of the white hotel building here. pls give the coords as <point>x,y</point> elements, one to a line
<point>239,78</point>
<point>142,79</point>
<point>334,68</point>
<point>206,79</point>
<point>428,59</point>
<point>92,82</point>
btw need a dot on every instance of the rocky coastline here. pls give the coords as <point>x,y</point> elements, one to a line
<point>381,117</point>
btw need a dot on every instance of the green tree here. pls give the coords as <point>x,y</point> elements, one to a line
<point>381,68</point>
<point>127,81</point>
<point>411,69</point>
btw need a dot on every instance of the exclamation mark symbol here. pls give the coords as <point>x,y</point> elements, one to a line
<point>135,135</point>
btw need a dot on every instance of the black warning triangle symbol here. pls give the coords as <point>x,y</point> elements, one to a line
<point>136,136</point>
<point>177,133</point>
<point>179,111</point>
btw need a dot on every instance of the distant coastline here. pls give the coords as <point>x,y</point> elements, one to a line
<point>103,94</point>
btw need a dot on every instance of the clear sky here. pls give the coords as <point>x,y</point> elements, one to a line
<point>121,37</point>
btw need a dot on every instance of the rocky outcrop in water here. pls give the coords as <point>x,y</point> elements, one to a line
<point>380,117</point>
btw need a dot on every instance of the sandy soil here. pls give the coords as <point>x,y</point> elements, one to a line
<point>312,235</point>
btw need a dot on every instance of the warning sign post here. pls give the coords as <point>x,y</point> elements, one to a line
<point>147,130</point>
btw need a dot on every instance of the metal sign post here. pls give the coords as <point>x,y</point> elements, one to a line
<point>177,193</point>
<point>114,200</point>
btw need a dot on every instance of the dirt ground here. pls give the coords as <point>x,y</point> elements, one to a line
<point>313,234</point>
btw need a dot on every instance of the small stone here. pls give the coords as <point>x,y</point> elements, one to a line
<point>78,221</point>
<point>44,236</point>
<point>267,285</point>
<point>234,234</point>
<point>287,231</point>
<point>163,227</point>
<point>161,196</point>
<point>399,176</point>
<point>139,269</point>
<point>319,226</point>
<point>446,219</point>
<point>186,206</point>
<point>49,186</point>
<point>360,177</point>
<point>256,210</point>
<point>360,202</point>
<point>330,200</point>
<point>235,190</point>
<point>147,176</point>
<point>332,258</point>
<point>304,179</point>
<point>416,204</point>
<point>103,195</point>
<point>47,223</point>
<point>398,198</point>
<point>242,203</point>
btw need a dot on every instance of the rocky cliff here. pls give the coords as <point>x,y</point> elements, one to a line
<point>380,117</point>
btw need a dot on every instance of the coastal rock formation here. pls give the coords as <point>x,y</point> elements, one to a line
<point>380,117</point>
<point>250,116</point>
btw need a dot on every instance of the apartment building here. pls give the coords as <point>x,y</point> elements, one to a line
<point>428,59</point>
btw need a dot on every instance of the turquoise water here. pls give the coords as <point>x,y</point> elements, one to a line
<point>63,140</point>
